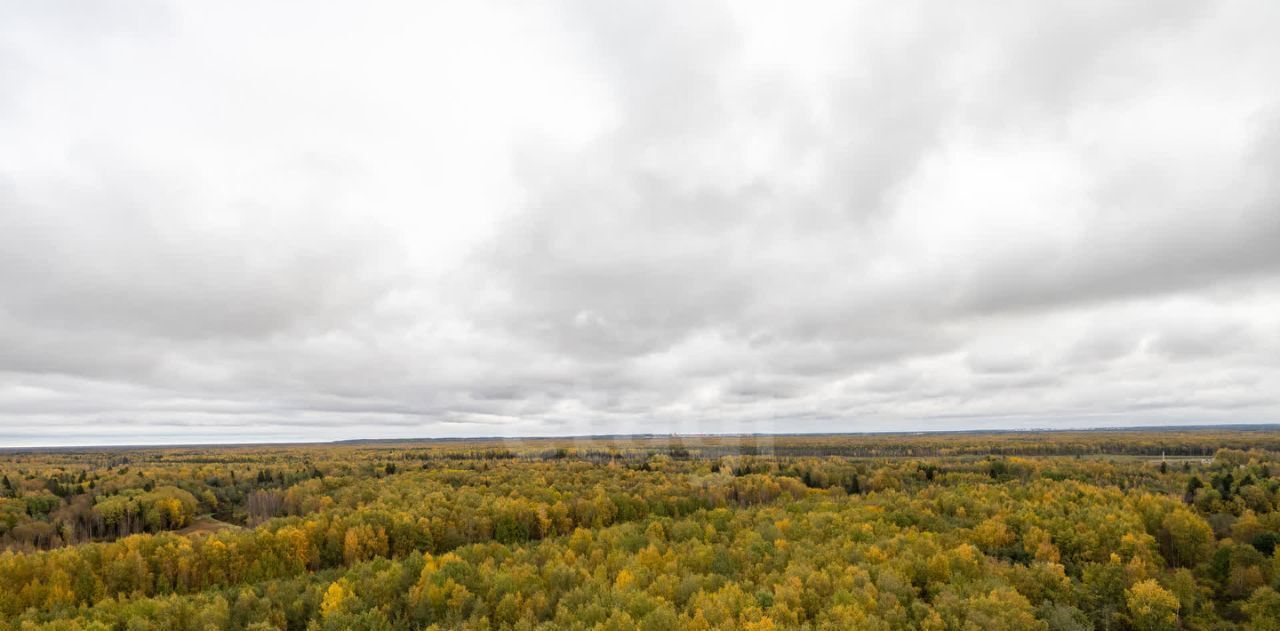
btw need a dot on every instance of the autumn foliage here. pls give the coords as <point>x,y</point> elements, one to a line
<point>1081,530</point>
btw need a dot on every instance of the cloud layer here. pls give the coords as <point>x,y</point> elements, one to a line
<point>322,220</point>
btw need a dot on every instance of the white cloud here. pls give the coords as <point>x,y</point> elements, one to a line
<point>239,221</point>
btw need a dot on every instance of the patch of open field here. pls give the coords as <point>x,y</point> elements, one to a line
<point>206,525</point>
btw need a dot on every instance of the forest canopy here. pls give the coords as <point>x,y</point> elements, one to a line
<point>1054,531</point>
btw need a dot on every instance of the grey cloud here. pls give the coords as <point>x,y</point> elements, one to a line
<point>639,262</point>
<point>102,257</point>
<point>1216,340</point>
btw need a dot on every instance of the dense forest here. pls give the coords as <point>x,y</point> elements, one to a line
<point>1048,530</point>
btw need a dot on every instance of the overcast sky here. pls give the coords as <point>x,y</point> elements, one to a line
<point>246,221</point>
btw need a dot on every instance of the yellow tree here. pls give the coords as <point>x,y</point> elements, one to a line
<point>1152,607</point>
<point>336,599</point>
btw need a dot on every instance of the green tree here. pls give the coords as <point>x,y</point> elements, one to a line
<point>1263,610</point>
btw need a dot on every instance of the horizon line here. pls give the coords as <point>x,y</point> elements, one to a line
<point>1273,426</point>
